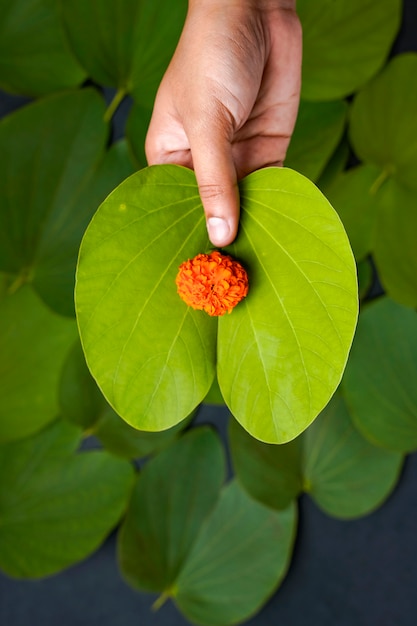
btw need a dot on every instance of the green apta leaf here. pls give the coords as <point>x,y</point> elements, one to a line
<point>269,473</point>
<point>122,440</point>
<point>214,395</point>
<point>383,124</point>
<point>56,507</point>
<point>81,401</point>
<point>344,43</point>
<point>335,166</point>
<point>126,44</point>
<point>34,343</point>
<point>154,358</point>
<point>47,165</point>
<point>136,129</point>
<point>55,174</point>
<point>380,218</point>
<point>296,326</point>
<point>379,383</point>
<point>35,57</point>
<point>394,242</point>
<point>200,546</point>
<point>173,496</point>
<point>83,404</point>
<point>355,197</point>
<point>365,277</point>
<point>344,474</point>
<point>316,135</point>
<point>383,132</point>
<point>239,559</point>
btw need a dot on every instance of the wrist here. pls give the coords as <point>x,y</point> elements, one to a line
<point>287,5</point>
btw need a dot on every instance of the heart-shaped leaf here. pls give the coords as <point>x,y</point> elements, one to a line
<point>239,559</point>
<point>383,124</point>
<point>56,507</point>
<point>344,43</point>
<point>34,54</point>
<point>55,173</point>
<point>379,383</point>
<point>188,543</point>
<point>174,494</point>
<point>344,474</point>
<point>154,358</point>
<point>126,44</point>
<point>296,326</point>
<point>316,134</point>
<point>34,343</point>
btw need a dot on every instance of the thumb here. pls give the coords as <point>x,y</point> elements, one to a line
<point>217,183</point>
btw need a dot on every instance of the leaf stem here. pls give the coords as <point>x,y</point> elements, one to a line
<point>18,282</point>
<point>111,109</point>
<point>377,184</point>
<point>160,601</point>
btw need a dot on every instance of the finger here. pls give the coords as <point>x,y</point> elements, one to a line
<point>217,182</point>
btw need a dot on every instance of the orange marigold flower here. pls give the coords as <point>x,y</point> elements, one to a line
<point>213,282</point>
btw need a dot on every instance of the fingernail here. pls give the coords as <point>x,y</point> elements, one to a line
<point>218,230</point>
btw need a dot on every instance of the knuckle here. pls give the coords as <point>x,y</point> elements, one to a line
<point>211,191</point>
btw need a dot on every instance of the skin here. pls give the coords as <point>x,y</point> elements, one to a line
<point>228,102</point>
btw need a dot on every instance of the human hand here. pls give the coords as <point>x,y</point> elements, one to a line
<point>228,102</point>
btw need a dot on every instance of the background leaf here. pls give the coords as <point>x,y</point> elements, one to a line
<point>386,135</point>
<point>344,43</point>
<point>153,356</point>
<point>298,257</point>
<point>335,166</point>
<point>136,128</point>
<point>354,197</point>
<point>344,473</point>
<point>379,382</point>
<point>83,404</point>
<point>365,277</point>
<point>269,473</point>
<point>35,58</point>
<point>127,44</point>
<point>56,507</point>
<point>33,345</point>
<point>167,508</point>
<point>81,401</point>
<point>317,132</point>
<point>54,176</point>
<point>241,555</point>
<point>214,395</point>
<point>121,439</point>
<point>394,247</point>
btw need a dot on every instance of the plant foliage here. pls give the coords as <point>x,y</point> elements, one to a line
<point>217,547</point>
<point>154,379</point>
